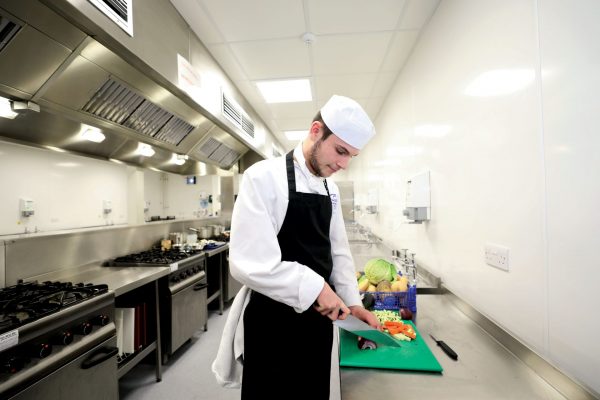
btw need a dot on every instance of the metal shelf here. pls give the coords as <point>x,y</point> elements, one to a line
<point>135,359</point>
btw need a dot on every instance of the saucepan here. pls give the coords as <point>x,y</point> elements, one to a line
<point>218,230</point>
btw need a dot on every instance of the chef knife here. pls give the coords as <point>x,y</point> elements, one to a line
<point>446,348</point>
<point>360,328</point>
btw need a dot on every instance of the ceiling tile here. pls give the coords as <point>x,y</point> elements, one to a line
<point>417,13</point>
<point>402,44</point>
<point>350,85</point>
<point>222,53</point>
<point>344,16</point>
<point>295,124</point>
<point>347,54</point>
<point>273,59</point>
<point>257,19</point>
<point>197,19</point>
<point>306,109</point>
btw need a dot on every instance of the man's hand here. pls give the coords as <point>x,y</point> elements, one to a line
<point>365,315</point>
<point>330,305</point>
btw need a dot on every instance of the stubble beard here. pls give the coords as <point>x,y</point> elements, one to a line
<point>312,160</point>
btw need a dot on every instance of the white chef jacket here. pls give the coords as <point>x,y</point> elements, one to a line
<point>258,214</point>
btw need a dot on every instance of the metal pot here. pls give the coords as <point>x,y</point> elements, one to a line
<point>205,232</point>
<point>218,230</point>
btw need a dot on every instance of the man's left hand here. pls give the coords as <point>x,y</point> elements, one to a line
<point>365,315</point>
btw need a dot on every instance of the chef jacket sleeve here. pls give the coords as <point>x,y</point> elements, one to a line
<point>343,275</point>
<point>254,254</point>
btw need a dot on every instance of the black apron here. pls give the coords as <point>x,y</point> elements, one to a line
<point>287,355</point>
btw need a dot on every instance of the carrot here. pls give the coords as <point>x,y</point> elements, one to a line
<point>393,323</point>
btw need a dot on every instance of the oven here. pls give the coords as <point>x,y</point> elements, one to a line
<point>182,299</point>
<point>57,341</point>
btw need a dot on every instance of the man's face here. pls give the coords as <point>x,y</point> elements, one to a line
<point>330,155</point>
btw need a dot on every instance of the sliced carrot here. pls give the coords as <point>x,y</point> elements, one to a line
<point>393,323</point>
<point>394,330</point>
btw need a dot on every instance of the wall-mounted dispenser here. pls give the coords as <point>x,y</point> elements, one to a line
<point>372,206</point>
<point>418,198</point>
<point>26,207</point>
<point>107,206</point>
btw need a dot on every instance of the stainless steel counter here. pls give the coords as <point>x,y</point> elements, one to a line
<point>119,279</point>
<point>484,370</point>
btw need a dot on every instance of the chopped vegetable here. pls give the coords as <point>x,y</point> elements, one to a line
<point>366,344</point>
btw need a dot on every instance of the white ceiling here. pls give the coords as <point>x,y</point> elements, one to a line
<point>360,47</point>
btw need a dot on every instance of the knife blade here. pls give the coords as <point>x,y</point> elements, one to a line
<point>447,349</point>
<point>360,328</point>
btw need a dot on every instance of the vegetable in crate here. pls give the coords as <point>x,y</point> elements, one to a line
<point>400,285</point>
<point>384,286</point>
<point>378,269</point>
<point>368,301</point>
<point>363,283</point>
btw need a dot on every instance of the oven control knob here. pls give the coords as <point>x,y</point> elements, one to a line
<point>174,279</point>
<point>41,350</point>
<point>101,320</point>
<point>12,365</point>
<point>84,328</point>
<point>63,338</point>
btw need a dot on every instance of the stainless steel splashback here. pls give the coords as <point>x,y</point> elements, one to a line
<point>34,255</point>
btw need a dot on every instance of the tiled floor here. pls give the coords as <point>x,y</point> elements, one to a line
<point>187,375</point>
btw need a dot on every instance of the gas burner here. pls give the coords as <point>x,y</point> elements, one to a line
<point>27,301</point>
<point>157,256</point>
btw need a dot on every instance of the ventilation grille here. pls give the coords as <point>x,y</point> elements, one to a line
<point>218,152</point>
<point>8,29</point>
<point>119,11</point>
<point>119,104</point>
<point>236,115</point>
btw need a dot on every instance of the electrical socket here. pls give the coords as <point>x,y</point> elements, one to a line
<point>497,256</point>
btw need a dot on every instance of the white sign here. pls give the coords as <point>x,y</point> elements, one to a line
<point>9,339</point>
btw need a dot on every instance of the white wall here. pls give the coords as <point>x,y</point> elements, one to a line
<point>515,169</point>
<point>67,190</point>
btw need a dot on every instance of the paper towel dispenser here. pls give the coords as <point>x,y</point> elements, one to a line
<point>418,198</point>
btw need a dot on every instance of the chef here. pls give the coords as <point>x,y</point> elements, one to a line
<point>289,245</point>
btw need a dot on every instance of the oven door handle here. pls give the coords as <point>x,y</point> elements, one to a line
<point>200,286</point>
<point>99,356</point>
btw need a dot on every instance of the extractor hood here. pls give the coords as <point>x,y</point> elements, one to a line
<point>79,82</point>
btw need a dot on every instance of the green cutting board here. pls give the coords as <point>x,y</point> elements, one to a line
<point>414,355</point>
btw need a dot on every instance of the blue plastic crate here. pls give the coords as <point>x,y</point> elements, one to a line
<point>395,300</point>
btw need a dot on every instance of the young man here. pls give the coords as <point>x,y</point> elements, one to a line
<point>289,245</point>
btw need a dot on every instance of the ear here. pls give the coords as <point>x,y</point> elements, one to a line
<point>316,130</point>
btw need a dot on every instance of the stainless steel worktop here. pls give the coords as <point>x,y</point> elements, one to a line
<point>119,279</point>
<point>484,370</point>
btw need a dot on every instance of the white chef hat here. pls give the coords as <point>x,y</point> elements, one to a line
<point>347,120</point>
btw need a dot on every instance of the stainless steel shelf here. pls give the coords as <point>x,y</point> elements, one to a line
<point>135,359</point>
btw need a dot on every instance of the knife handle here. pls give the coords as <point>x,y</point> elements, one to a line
<point>447,350</point>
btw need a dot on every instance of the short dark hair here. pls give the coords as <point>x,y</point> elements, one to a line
<point>326,131</point>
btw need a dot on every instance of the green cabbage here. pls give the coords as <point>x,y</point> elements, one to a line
<point>378,269</point>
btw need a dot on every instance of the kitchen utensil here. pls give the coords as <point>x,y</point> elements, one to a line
<point>360,328</point>
<point>191,239</point>
<point>446,348</point>
<point>412,356</point>
<point>217,229</point>
<point>176,238</point>
<point>205,232</point>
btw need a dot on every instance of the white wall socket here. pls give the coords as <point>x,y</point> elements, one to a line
<point>496,256</point>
